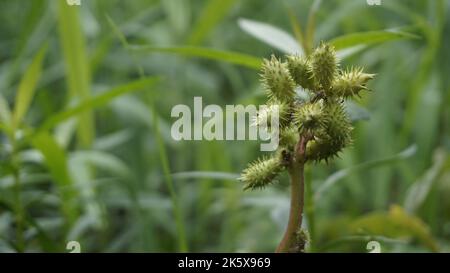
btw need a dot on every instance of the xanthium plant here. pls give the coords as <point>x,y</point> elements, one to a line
<point>311,130</point>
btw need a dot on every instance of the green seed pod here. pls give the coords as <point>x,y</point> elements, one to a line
<point>277,80</point>
<point>261,172</point>
<point>289,137</point>
<point>351,82</point>
<point>264,117</point>
<point>324,66</point>
<point>320,149</point>
<point>301,71</point>
<point>309,116</point>
<point>334,136</point>
<point>338,125</point>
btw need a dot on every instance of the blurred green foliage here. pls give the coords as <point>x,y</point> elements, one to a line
<point>82,158</point>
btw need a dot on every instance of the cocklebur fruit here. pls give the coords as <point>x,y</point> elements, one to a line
<point>334,136</point>
<point>265,116</point>
<point>337,123</point>
<point>277,80</point>
<point>324,66</point>
<point>349,83</point>
<point>289,137</point>
<point>309,116</point>
<point>301,71</point>
<point>262,172</point>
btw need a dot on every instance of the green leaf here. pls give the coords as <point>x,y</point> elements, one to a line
<point>296,27</point>
<point>212,13</point>
<point>418,191</point>
<point>272,36</point>
<point>64,132</point>
<point>396,223</point>
<point>101,160</point>
<point>204,174</point>
<point>97,101</point>
<point>5,112</point>
<point>208,53</point>
<point>335,177</point>
<point>369,38</point>
<point>117,31</point>
<point>178,15</point>
<point>311,24</point>
<point>55,157</point>
<point>76,66</point>
<point>27,88</point>
<point>56,161</point>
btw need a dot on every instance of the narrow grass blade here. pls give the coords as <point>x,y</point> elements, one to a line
<point>418,192</point>
<point>335,177</point>
<point>178,212</point>
<point>211,15</point>
<point>369,38</point>
<point>204,174</point>
<point>435,34</point>
<point>93,102</point>
<point>207,53</point>
<point>296,28</point>
<point>178,14</point>
<point>27,88</point>
<point>5,112</point>
<point>311,24</point>
<point>77,66</point>
<point>56,161</point>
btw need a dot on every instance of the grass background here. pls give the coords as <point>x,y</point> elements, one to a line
<point>85,146</point>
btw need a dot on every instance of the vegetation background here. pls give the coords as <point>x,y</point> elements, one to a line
<point>85,147</point>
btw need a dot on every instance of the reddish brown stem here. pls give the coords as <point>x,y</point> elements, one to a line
<point>296,172</point>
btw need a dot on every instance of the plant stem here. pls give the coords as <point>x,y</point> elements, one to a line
<point>296,172</point>
<point>296,210</point>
